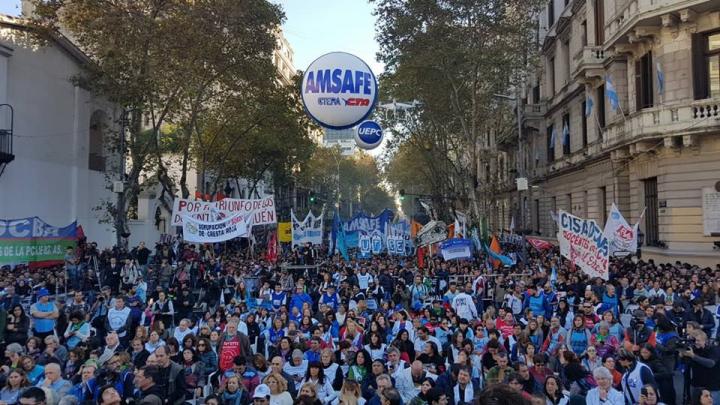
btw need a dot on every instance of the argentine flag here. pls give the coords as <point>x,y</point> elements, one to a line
<point>552,138</point>
<point>611,93</point>
<point>566,134</point>
<point>588,106</point>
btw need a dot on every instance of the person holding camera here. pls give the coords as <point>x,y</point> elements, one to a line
<point>701,315</point>
<point>703,361</point>
<point>638,333</point>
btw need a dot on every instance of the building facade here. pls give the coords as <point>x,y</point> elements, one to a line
<point>61,167</point>
<point>657,150</point>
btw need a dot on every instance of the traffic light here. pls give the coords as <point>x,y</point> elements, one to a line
<point>312,197</point>
<point>402,194</point>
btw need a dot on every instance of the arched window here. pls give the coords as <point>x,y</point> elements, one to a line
<point>96,144</point>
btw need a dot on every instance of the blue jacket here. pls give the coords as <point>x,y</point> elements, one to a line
<point>537,304</point>
<point>299,299</point>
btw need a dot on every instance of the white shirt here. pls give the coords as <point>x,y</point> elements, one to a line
<point>614,397</point>
<point>464,306</point>
<point>419,344</point>
<point>364,280</point>
<point>406,387</point>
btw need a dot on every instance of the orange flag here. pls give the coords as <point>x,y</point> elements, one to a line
<point>495,247</point>
<point>415,227</point>
<point>451,231</point>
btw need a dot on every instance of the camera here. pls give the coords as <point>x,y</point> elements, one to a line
<point>685,343</point>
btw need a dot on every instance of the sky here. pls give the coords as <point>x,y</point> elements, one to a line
<point>316,27</point>
<point>313,28</point>
<point>10,7</point>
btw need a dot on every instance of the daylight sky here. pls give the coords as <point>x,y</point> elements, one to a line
<point>313,28</point>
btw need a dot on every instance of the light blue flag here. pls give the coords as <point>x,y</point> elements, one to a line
<point>505,260</point>
<point>588,106</point>
<point>566,134</point>
<point>553,276</point>
<point>611,93</point>
<point>476,239</point>
<point>340,243</point>
<point>660,78</point>
<point>552,138</point>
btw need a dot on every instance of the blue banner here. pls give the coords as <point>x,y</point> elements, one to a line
<point>456,249</point>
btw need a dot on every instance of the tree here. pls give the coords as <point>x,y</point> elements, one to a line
<point>358,187</point>
<point>166,62</point>
<point>453,56</point>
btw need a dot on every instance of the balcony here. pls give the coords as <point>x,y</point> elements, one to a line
<point>695,118</point>
<point>589,63</point>
<point>650,13</point>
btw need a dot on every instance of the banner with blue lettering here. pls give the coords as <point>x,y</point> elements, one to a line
<point>364,245</point>
<point>583,242</point>
<point>397,238</point>
<point>456,249</point>
<point>32,240</point>
<point>309,230</point>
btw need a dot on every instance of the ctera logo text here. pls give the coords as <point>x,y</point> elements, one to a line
<point>339,81</point>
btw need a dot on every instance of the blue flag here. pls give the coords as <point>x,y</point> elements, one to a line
<point>505,260</point>
<point>340,244</point>
<point>566,134</point>
<point>660,78</point>
<point>552,138</point>
<point>611,93</point>
<point>588,106</point>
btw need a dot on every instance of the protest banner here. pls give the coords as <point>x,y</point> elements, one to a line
<point>621,236</point>
<point>456,249</point>
<point>215,231</point>
<point>284,232</point>
<point>258,211</point>
<point>539,244</point>
<point>309,230</point>
<point>397,238</point>
<point>35,242</point>
<point>584,244</point>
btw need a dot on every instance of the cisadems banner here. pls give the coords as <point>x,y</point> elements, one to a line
<point>456,249</point>
<point>215,231</point>
<point>622,236</point>
<point>256,211</point>
<point>33,241</point>
<point>584,244</point>
<point>309,230</point>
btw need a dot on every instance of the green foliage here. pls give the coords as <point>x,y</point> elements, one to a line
<point>452,56</point>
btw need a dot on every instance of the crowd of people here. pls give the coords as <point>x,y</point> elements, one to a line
<point>221,325</point>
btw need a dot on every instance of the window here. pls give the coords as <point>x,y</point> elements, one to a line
<point>652,234</point>
<point>568,62</point>
<point>553,207</point>
<point>603,204</point>
<point>96,142</point>
<point>550,144</point>
<point>566,2</point>
<point>568,198</point>
<point>583,33</point>
<point>706,65</point>
<point>551,77</point>
<point>536,94</point>
<point>536,222</point>
<point>585,204</point>
<point>566,134</point>
<point>599,22</point>
<point>584,125</point>
<point>551,13</point>
<point>601,106</point>
<point>644,82</point>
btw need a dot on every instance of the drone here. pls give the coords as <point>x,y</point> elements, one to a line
<point>400,109</point>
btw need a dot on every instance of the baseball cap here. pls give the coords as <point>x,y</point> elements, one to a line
<point>262,391</point>
<point>43,292</point>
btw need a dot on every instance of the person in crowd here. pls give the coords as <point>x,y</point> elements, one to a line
<point>636,376</point>
<point>703,361</point>
<point>604,393</point>
<point>17,382</point>
<point>17,325</point>
<point>44,315</point>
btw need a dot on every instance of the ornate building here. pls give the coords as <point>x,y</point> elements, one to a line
<point>657,149</point>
